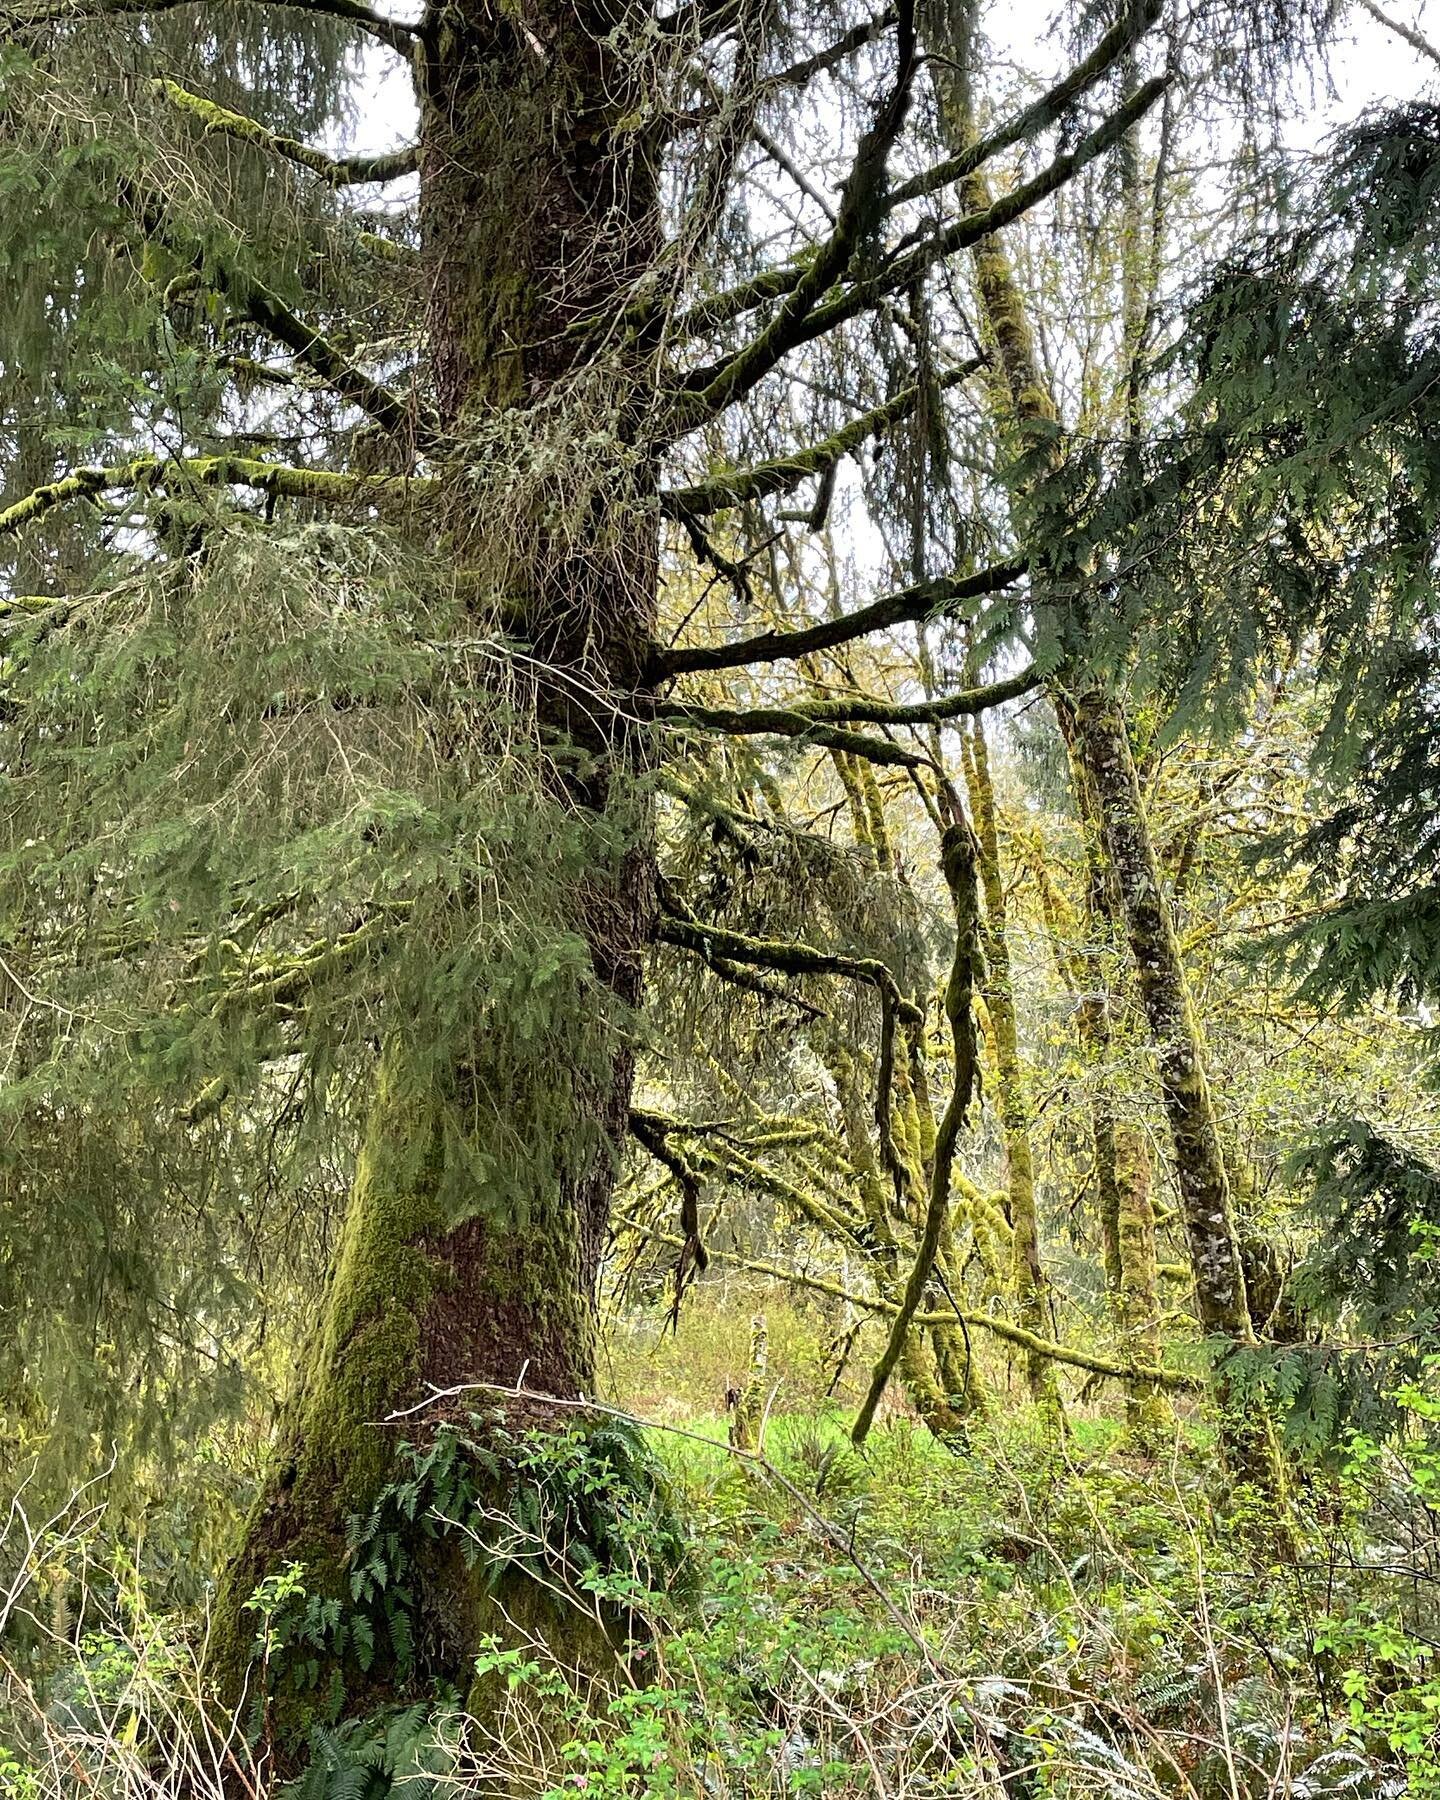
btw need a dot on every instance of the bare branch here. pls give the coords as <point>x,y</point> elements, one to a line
<point>787,472</point>
<point>899,608</point>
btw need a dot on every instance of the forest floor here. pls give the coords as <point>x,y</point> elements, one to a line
<point>1015,1617</point>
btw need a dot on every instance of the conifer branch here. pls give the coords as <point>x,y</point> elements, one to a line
<point>787,472</point>
<point>902,607</point>
<point>145,472</point>
<point>787,956</point>
<point>900,271</point>
<point>337,172</point>
<point>710,391</point>
<point>400,37</point>
<point>391,411</point>
<point>257,303</point>
<point>859,709</point>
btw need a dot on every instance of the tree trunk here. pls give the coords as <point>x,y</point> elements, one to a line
<point>1012,1091</point>
<point>1122,1163</point>
<point>481,1198</point>
<point>1247,1436</point>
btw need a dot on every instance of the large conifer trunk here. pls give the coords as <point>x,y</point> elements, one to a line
<point>454,1266</point>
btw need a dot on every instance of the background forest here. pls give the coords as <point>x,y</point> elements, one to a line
<point>719,899</point>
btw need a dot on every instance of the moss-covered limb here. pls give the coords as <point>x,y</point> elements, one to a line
<point>142,472</point>
<point>781,722</point>
<point>32,606</point>
<point>397,414</point>
<point>1117,43</point>
<point>721,309</point>
<point>338,172</point>
<point>785,473</point>
<point>805,1204</point>
<point>785,955</point>
<point>965,703</point>
<point>902,607</point>
<point>80,484</point>
<point>959,858</point>
<point>904,269</point>
<point>1173,1380</point>
<point>398,36</point>
<point>710,391</point>
<point>1012,1086</point>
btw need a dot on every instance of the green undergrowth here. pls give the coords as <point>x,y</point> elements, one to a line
<point>1071,1621</point>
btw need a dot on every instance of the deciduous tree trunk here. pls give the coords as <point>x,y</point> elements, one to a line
<point>1012,1088</point>
<point>1247,1435</point>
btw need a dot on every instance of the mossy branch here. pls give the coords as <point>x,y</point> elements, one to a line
<point>144,472</point>
<point>338,172</point>
<point>391,411</point>
<point>960,860</point>
<point>1040,115</point>
<point>785,473</point>
<point>779,721</point>
<point>785,955</point>
<point>858,709</point>
<point>902,607</point>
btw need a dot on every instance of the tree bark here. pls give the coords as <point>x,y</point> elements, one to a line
<point>480,1201</point>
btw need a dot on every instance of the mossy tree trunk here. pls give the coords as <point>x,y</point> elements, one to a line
<point>1012,1088</point>
<point>1123,1176</point>
<point>481,1197</point>
<point>1215,1258</point>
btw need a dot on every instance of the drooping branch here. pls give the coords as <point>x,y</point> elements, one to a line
<point>960,858</point>
<point>650,1132</point>
<point>400,37</point>
<point>339,172</point>
<point>785,955</point>
<point>779,721</point>
<point>787,472</point>
<point>1108,1367</point>
<point>902,607</point>
<point>792,326</point>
